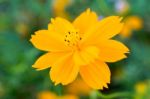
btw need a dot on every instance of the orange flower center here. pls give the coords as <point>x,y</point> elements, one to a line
<point>72,39</point>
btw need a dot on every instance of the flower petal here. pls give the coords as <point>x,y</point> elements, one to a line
<point>112,51</point>
<point>48,41</point>
<point>64,71</point>
<point>104,29</point>
<point>96,75</point>
<point>126,32</point>
<point>78,87</point>
<point>60,27</point>
<point>86,55</point>
<point>84,21</point>
<point>47,60</point>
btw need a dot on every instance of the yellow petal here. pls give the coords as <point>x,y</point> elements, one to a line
<point>60,5</point>
<point>64,70</point>
<point>131,23</point>
<point>60,27</point>
<point>104,29</point>
<point>126,32</point>
<point>112,51</point>
<point>48,41</point>
<point>96,75</point>
<point>47,60</point>
<point>78,59</point>
<point>86,20</point>
<point>134,22</point>
<point>78,87</point>
<point>86,55</point>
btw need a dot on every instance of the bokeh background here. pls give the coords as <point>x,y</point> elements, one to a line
<point>21,18</point>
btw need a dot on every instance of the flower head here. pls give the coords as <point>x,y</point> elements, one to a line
<point>81,47</point>
<point>46,95</point>
<point>78,87</point>
<point>142,90</point>
<point>50,95</point>
<point>141,87</point>
<point>131,23</point>
<point>59,7</point>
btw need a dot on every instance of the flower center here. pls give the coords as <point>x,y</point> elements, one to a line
<point>72,38</point>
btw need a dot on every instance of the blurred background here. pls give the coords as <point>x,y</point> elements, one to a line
<point>21,18</point>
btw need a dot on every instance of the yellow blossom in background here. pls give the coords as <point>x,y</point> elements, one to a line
<point>50,95</point>
<point>22,29</point>
<point>81,47</point>
<point>78,87</point>
<point>141,87</point>
<point>142,90</point>
<point>46,95</point>
<point>59,7</point>
<point>131,23</point>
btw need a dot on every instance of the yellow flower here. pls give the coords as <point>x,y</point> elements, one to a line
<point>142,90</point>
<point>46,95</point>
<point>141,87</point>
<point>50,95</point>
<point>59,7</point>
<point>22,29</point>
<point>131,23</point>
<point>81,47</point>
<point>78,87</point>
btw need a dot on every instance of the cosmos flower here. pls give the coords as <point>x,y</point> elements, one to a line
<point>142,90</point>
<point>78,87</point>
<point>131,23</point>
<point>59,7</point>
<point>81,47</point>
<point>50,95</point>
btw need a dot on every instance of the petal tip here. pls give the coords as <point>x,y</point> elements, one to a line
<point>88,10</point>
<point>37,69</point>
<point>105,86</point>
<point>31,39</point>
<point>120,18</point>
<point>56,83</point>
<point>33,66</point>
<point>52,20</point>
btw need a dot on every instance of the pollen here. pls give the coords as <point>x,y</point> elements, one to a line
<point>72,38</point>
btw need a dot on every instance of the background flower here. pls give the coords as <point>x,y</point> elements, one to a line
<point>78,87</point>
<point>131,23</point>
<point>142,90</point>
<point>50,95</point>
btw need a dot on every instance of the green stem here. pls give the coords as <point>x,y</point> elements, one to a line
<point>113,95</point>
